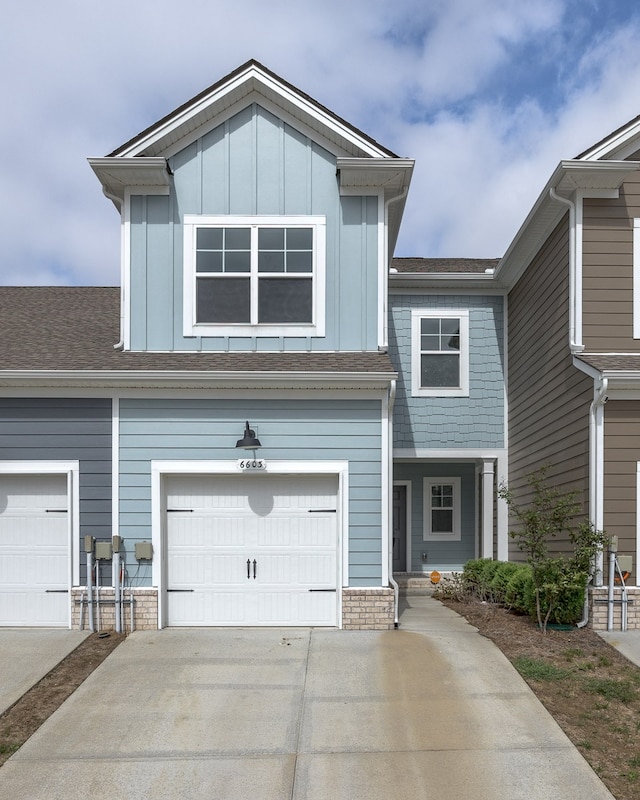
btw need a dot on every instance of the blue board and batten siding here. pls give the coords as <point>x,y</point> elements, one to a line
<point>254,163</point>
<point>65,429</point>
<point>476,421</point>
<point>315,429</point>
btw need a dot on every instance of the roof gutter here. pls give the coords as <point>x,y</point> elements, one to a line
<point>196,378</point>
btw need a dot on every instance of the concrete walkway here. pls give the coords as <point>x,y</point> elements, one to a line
<point>27,654</point>
<point>627,642</point>
<point>432,710</point>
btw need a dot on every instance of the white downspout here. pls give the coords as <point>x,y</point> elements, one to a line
<point>596,488</point>
<point>575,341</point>
<point>392,581</point>
<point>117,201</point>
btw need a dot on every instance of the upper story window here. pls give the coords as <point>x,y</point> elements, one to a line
<point>254,276</point>
<point>440,352</point>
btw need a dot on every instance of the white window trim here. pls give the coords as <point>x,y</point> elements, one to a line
<point>428,534</point>
<point>418,314</point>
<point>315,328</point>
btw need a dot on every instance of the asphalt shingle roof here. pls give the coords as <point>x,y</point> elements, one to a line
<point>75,328</point>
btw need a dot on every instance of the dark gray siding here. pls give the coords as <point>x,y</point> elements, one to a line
<point>65,429</point>
<point>548,397</point>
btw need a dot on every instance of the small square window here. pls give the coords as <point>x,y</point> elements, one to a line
<point>440,353</point>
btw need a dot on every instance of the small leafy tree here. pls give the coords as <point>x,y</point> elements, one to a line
<point>559,582</point>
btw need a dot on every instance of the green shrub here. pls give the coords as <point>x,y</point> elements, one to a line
<point>473,576</point>
<point>519,589</point>
<point>561,592</point>
<point>500,580</point>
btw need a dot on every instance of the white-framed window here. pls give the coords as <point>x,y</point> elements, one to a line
<point>442,503</point>
<point>440,352</point>
<point>254,275</point>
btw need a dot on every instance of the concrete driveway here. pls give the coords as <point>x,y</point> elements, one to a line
<point>27,654</point>
<point>431,710</point>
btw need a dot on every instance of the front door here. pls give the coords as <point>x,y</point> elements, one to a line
<point>399,528</point>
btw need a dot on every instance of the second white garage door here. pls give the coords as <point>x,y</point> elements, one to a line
<point>252,550</point>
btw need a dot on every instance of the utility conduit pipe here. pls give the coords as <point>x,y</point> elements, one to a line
<point>613,549</point>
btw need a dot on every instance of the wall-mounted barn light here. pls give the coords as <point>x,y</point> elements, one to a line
<point>248,441</point>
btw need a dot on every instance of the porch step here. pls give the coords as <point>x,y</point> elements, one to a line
<point>416,583</point>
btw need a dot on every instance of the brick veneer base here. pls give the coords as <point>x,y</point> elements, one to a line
<point>145,609</point>
<point>599,611</point>
<point>362,609</point>
<point>368,609</point>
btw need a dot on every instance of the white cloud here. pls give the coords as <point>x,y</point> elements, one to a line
<point>426,78</point>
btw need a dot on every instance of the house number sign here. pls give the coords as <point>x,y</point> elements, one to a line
<point>251,464</point>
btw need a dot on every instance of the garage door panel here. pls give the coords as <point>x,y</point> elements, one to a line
<point>34,550</point>
<point>277,522</point>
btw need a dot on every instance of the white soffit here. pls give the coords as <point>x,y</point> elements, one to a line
<point>116,174</point>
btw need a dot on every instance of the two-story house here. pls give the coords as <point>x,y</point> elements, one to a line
<point>572,277</point>
<point>257,229</point>
<point>271,418</point>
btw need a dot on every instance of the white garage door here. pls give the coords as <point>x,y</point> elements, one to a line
<point>34,550</point>
<point>251,550</point>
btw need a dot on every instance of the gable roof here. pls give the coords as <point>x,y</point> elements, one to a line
<point>620,143</point>
<point>62,335</point>
<point>167,134</point>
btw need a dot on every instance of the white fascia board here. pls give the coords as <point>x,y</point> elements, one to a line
<point>157,378</point>
<point>617,143</point>
<point>188,117</point>
<point>591,177</point>
<point>116,174</point>
<point>448,455</point>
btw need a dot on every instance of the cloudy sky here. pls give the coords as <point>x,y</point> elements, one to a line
<point>487,95</point>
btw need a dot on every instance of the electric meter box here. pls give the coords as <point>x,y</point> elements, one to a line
<point>144,551</point>
<point>625,563</point>
<point>103,551</point>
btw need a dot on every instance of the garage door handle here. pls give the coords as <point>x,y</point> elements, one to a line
<point>322,590</point>
<point>255,564</point>
<point>180,590</point>
<point>56,510</point>
<point>56,591</point>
